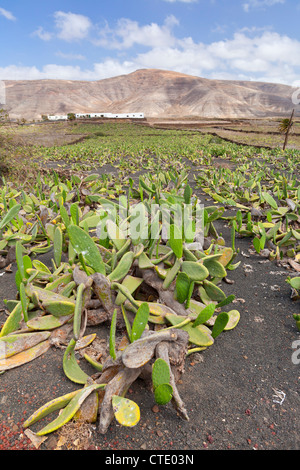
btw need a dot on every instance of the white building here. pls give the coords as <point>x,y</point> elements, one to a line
<point>98,115</point>
<point>82,115</point>
<point>58,118</point>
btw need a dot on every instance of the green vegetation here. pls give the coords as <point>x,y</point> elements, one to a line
<point>149,281</point>
<point>130,148</point>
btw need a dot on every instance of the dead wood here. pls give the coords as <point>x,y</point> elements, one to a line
<point>117,386</point>
<point>138,353</point>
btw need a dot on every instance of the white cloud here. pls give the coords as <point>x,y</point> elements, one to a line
<point>108,68</point>
<point>265,57</point>
<point>70,56</point>
<point>7,14</point>
<point>128,33</point>
<point>72,26</point>
<point>123,35</point>
<point>42,34</point>
<point>250,54</point>
<point>251,4</point>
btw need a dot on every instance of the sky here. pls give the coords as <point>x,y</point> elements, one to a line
<point>92,40</point>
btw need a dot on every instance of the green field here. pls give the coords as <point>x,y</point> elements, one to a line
<point>74,192</point>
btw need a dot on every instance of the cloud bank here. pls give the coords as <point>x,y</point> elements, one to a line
<point>249,54</point>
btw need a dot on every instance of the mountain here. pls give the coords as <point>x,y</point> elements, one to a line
<point>156,93</point>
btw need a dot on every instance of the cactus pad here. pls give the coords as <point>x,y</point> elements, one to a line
<point>163,394</point>
<point>160,373</point>
<point>126,411</point>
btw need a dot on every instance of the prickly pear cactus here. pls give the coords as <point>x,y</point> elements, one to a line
<point>165,290</point>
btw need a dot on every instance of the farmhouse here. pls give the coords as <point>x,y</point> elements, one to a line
<point>98,115</point>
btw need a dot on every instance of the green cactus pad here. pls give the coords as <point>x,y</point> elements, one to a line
<point>58,308</point>
<point>160,373</point>
<point>48,322</point>
<point>71,367</point>
<point>126,292</point>
<point>112,335</point>
<point>155,308</point>
<point>116,235</point>
<point>85,245</point>
<point>195,271</point>
<point>11,214</point>
<point>57,245</point>
<point>132,283</point>
<point>226,301</point>
<point>144,261</point>
<point>171,274</point>
<point>213,291</point>
<point>70,410</point>
<point>204,296</point>
<point>60,282</point>
<point>41,266</point>
<point>44,295</point>
<point>220,324</point>
<point>140,321</point>
<point>196,307</point>
<point>122,268</point>
<point>204,315</point>
<point>182,287</point>
<point>162,273</point>
<point>215,268</point>
<point>68,289</point>
<point>199,336</point>
<point>157,320</point>
<point>13,320</point>
<point>294,282</point>
<point>163,394</point>
<point>78,311</point>
<point>49,407</point>
<point>175,241</point>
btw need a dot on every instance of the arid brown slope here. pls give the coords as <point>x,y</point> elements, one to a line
<point>157,93</point>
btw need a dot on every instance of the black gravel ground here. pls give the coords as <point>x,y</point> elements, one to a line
<point>241,394</point>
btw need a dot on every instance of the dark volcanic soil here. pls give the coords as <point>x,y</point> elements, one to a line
<point>241,394</point>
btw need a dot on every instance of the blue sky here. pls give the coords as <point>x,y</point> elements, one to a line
<point>92,40</point>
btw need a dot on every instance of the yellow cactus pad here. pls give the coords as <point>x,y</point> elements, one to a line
<point>24,356</point>
<point>226,256</point>
<point>234,317</point>
<point>126,411</point>
<point>14,344</point>
<point>70,410</point>
<point>49,407</point>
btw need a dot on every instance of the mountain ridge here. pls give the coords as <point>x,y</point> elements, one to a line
<point>156,93</point>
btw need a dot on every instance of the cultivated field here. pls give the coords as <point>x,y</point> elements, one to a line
<point>201,317</point>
